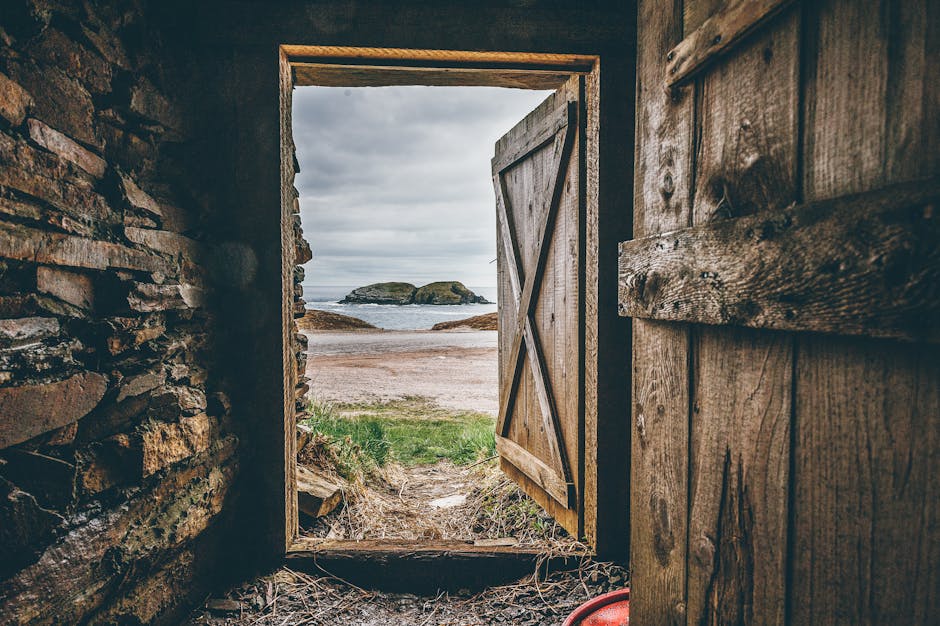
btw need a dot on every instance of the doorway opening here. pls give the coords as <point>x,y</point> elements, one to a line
<point>545,174</point>
<point>397,201</point>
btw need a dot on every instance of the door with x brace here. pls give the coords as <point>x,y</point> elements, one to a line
<point>538,176</point>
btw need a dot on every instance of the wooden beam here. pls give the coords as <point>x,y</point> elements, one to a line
<point>717,35</point>
<point>361,55</point>
<point>328,75</point>
<point>344,66</point>
<point>866,264</point>
<point>423,566</point>
<point>539,472</point>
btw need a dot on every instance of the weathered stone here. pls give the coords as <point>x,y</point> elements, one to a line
<point>110,463</point>
<point>55,47</point>
<point>139,221</point>
<point>30,244</point>
<point>171,402</point>
<point>25,528</point>
<point>57,143</point>
<point>15,101</point>
<point>166,242</point>
<point>64,436</point>
<point>126,148</point>
<point>166,444</point>
<point>304,436</point>
<point>147,297</point>
<point>25,305</point>
<point>149,103</point>
<point>138,198</point>
<point>50,480</point>
<point>68,581</point>
<point>30,410</point>
<point>60,101</point>
<point>154,594</point>
<point>72,287</point>
<point>302,252</point>
<point>317,495</point>
<point>26,332</point>
<point>131,332</point>
<point>58,182</point>
<point>107,45</point>
<point>136,385</point>
<point>19,208</point>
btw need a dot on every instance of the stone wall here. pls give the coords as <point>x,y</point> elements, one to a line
<point>117,449</point>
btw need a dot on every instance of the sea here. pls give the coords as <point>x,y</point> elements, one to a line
<point>396,317</point>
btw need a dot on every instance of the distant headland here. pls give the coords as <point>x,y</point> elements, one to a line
<point>444,292</point>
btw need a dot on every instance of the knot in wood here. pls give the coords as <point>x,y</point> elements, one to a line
<point>668,187</point>
<point>704,551</point>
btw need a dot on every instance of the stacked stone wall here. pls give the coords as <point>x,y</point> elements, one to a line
<point>116,447</point>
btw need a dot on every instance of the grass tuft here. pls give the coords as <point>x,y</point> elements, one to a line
<point>411,431</point>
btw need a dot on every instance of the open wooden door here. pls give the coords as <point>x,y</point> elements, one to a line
<point>538,175</point>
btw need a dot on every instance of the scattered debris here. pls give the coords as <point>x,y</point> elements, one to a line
<point>298,598</point>
<point>317,495</point>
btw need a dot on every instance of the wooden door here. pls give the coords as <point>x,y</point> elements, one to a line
<point>782,285</point>
<point>538,179</point>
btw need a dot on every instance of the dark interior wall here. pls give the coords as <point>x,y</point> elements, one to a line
<point>142,298</point>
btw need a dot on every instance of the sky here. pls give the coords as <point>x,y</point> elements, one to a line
<point>395,182</point>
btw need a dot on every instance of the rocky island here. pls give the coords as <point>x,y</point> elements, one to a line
<point>444,292</point>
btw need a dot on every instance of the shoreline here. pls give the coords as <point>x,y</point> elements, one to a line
<point>456,369</point>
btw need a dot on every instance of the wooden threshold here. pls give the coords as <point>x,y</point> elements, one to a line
<point>423,566</point>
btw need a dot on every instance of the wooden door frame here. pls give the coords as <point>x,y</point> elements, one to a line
<point>604,482</point>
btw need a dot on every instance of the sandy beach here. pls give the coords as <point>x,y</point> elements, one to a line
<point>456,369</point>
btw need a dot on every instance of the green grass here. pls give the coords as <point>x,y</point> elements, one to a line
<point>412,431</point>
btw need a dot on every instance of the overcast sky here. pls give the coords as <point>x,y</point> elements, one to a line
<point>395,182</point>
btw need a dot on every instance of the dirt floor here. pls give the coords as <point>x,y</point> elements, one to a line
<point>293,598</point>
<point>456,369</point>
<point>442,501</point>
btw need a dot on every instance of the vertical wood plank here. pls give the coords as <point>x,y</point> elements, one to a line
<point>845,114</point>
<point>288,360</point>
<point>660,411</point>
<point>865,515</point>
<point>607,338</point>
<point>866,482</point>
<point>740,431</point>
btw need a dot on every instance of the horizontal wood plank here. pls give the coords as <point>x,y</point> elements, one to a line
<point>544,476</point>
<point>866,264</point>
<point>422,566</point>
<point>717,35</point>
<point>330,75</point>
<point>343,66</point>
<point>542,132</point>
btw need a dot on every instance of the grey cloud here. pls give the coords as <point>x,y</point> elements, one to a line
<point>395,182</point>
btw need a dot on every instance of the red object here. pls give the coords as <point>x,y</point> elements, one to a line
<point>610,609</point>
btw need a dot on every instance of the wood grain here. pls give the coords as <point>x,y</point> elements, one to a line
<point>718,35</point>
<point>660,411</point>
<point>865,508</point>
<point>536,175</point>
<point>740,423</point>
<point>541,474</point>
<point>421,567</point>
<point>859,265</point>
